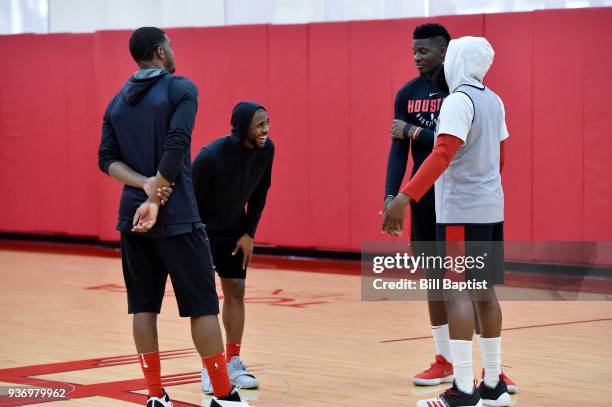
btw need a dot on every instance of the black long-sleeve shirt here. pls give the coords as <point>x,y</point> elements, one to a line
<point>418,103</point>
<point>148,125</point>
<point>226,178</point>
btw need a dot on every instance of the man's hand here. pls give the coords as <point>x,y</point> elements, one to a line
<point>145,216</point>
<point>163,193</point>
<point>388,200</point>
<point>245,243</point>
<point>397,129</point>
<point>394,215</point>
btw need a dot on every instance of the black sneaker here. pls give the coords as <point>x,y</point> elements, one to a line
<point>231,400</point>
<point>498,396</point>
<point>453,397</point>
<point>163,401</point>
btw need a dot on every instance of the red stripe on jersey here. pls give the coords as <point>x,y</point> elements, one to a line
<point>455,233</point>
<point>455,246</point>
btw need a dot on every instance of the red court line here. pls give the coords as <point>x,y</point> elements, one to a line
<point>509,329</point>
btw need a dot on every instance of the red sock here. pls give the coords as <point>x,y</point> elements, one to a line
<point>149,362</point>
<point>232,349</point>
<point>217,371</point>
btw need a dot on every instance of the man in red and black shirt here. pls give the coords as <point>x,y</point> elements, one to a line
<point>417,106</point>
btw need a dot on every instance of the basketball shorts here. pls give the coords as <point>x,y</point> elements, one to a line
<point>186,257</point>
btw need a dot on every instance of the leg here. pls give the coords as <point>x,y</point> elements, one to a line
<point>145,281</point>
<point>423,235</point>
<point>488,312</point>
<point>206,335</point>
<point>144,327</point>
<point>459,309</point>
<point>229,268</point>
<point>477,325</point>
<point>233,309</point>
<point>489,239</point>
<point>189,262</point>
<point>437,310</point>
<point>232,275</point>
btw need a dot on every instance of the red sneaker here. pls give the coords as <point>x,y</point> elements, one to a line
<point>441,371</point>
<point>512,387</point>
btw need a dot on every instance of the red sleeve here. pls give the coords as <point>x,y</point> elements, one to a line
<point>438,161</point>
<point>502,155</point>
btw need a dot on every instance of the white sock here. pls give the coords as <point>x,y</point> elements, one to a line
<point>441,340</point>
<point>462,365</point>
<point>490,350</point>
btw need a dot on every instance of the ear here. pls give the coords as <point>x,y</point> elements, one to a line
<point>443,53</point>
<point>161,53</point>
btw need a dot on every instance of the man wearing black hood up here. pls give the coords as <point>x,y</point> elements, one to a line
<point>146,138</point>
<point>229,174</point>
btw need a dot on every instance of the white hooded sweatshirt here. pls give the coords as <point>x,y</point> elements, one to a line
<point>470,190</point>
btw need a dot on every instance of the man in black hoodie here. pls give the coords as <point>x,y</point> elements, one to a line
<point>228,174</point>
<point>146,136</point>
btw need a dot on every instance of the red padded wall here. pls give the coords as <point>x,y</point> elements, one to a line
<point>597,88</point>
<point>288,198</point>
<point>510,77</point>
<point>34,134</point>
<point>328,124</point>
<point>112,66</point>
<point>329,89</point>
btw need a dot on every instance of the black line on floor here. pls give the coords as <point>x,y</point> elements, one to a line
<point>510,329</point>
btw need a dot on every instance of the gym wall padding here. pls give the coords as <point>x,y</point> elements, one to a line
<point>329,89</point>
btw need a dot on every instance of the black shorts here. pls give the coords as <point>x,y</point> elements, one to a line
<point>226,265</point>
<point>423,223</point>
<point>481,242</point>
<point>423,231</point>
<point>147,261</point>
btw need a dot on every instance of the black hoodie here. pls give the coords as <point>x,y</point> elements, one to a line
<point>227,177</point>
<point>148,126</point>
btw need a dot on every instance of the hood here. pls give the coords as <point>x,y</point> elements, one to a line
<point>467,61</point>
<point>242,115</point>
<point>139,84</point>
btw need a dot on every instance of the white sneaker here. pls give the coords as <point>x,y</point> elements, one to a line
<point>206,383</point>
<point>233,400</point>
<point>239,376</point>
<point>163,401</point>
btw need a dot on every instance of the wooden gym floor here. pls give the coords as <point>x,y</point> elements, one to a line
<point>309,339</point>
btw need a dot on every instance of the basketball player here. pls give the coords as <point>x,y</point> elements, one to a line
<point>228,174</point>
<point>465,165</point>
<point>417,105</point>
<point>146,137</point>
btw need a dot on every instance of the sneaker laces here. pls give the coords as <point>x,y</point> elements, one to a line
<point>238,364</point>
<point>455,391</point>
<point>432,366</point>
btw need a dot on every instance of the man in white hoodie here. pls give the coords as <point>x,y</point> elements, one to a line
<point>466,165</point>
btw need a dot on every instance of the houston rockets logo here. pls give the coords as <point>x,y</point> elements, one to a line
<point>277,297</point>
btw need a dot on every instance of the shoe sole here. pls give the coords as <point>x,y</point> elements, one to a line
<point>432,382</point>
<point>512,389</point>
<point>479,404</point>
<point>251,387</point>
<point>502,401</point>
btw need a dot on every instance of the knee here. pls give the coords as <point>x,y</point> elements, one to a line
<point>233,292</point>
<point>484,298</point>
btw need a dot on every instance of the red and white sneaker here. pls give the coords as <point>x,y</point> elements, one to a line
<point>441,371</point>
<point>512,387</point>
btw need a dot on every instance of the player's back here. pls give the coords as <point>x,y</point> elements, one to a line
<point>140,116</point>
